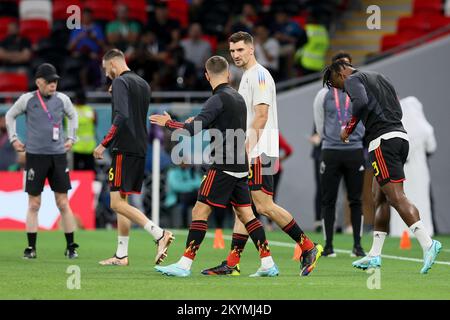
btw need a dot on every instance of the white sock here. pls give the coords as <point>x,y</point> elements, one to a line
<point>185,263</point>
<point>267,262</point>
<point>154,230</point>
<point>122,247</point>
<point>377,244</point>
<point>421,234</point>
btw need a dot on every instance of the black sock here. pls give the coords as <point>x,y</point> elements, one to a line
<point>32,239</point>
<point>197,232</point>
<point>238,241</point>
<point>256,231</point>
<point>69,238</point>
<point>293,230</point>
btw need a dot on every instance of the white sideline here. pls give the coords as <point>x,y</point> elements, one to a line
<point>291,245</point>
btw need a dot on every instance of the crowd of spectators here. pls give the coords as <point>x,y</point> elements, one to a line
<point>170,48</point>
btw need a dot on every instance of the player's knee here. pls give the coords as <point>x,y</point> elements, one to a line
<point>62,204</point>
<point>395,199</point>
<point>266,209</point>
<point>34,207</point>
<point>116,205</point>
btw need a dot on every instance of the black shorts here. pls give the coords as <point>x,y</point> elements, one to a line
<point>41,166</point>
<point>388,160</point>
<point>126,173</point>
<point>261,174</point>
<point>218,189</point>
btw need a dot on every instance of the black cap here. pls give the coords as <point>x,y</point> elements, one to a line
<point>47,71</point>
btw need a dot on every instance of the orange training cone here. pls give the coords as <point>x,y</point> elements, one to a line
<point>219,243</point>
<point>405,241</point>
<point>297,252</point>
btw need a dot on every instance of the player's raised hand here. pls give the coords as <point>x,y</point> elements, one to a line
<point>160,119</point>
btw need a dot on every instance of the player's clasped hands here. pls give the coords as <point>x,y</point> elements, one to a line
<point>344,136</point>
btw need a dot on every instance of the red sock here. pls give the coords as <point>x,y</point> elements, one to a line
<point>264,250</point>
<point>305,243</point>
<point>234,257</point>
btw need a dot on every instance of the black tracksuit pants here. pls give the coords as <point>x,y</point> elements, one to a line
<point>334,165</point>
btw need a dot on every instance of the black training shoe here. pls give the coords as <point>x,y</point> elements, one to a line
<point>358,251</point>
<point>222,270</point>
<point>309,259</point>
<point>71,251</point>
<point>328,251</point>
<point>29,253</point>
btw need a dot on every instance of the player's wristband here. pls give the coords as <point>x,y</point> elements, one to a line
<point>174,124</point>
<point>351,125</point>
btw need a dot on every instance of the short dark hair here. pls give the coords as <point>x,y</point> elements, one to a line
<point>113,53</point>
<point>241,36</point>
<point>341,55</point>
<point>216,64</point>
<point>333,68</point>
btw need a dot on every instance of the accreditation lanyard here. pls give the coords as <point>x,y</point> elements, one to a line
<point>55,136</point>
<point>338,106</point>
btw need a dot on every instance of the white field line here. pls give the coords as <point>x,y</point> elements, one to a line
<point>291,245</point>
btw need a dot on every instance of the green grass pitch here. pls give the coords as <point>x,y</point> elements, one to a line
<point>333,278</point>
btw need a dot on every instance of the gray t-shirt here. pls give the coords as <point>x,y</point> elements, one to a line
<point>40,129</point>
<point>196,52</point>
<point>329,120</point>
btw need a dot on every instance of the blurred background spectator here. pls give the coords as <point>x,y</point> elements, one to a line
<point>196,50</point>
<point>122,32</point>
<point>182,186</point>
<point>86,45</point>
<point>86,143</point>
<point>8,157</point>
<point>15,51</point>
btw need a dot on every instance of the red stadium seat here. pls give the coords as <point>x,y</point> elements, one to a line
<point>4,22</point>
<point>102,9</point>
<point>60,8</point>
<point>212,42</point>
<point>411,24</point>
<point>439,22</point>
<point>301,20</point>
<point>137,10</point>
<point>422,22</point>
<point>13,82</point>
<point>179,10</point>
<point>394,40</point>
<point>34,30</point>
<point>427,6</point>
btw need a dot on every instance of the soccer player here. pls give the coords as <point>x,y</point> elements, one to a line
<point>227,177</point>
<point>258,89</point>
<point>376,104</point>
<point>332,109</point>
<point>46,149</point>
<point>127,141</point>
